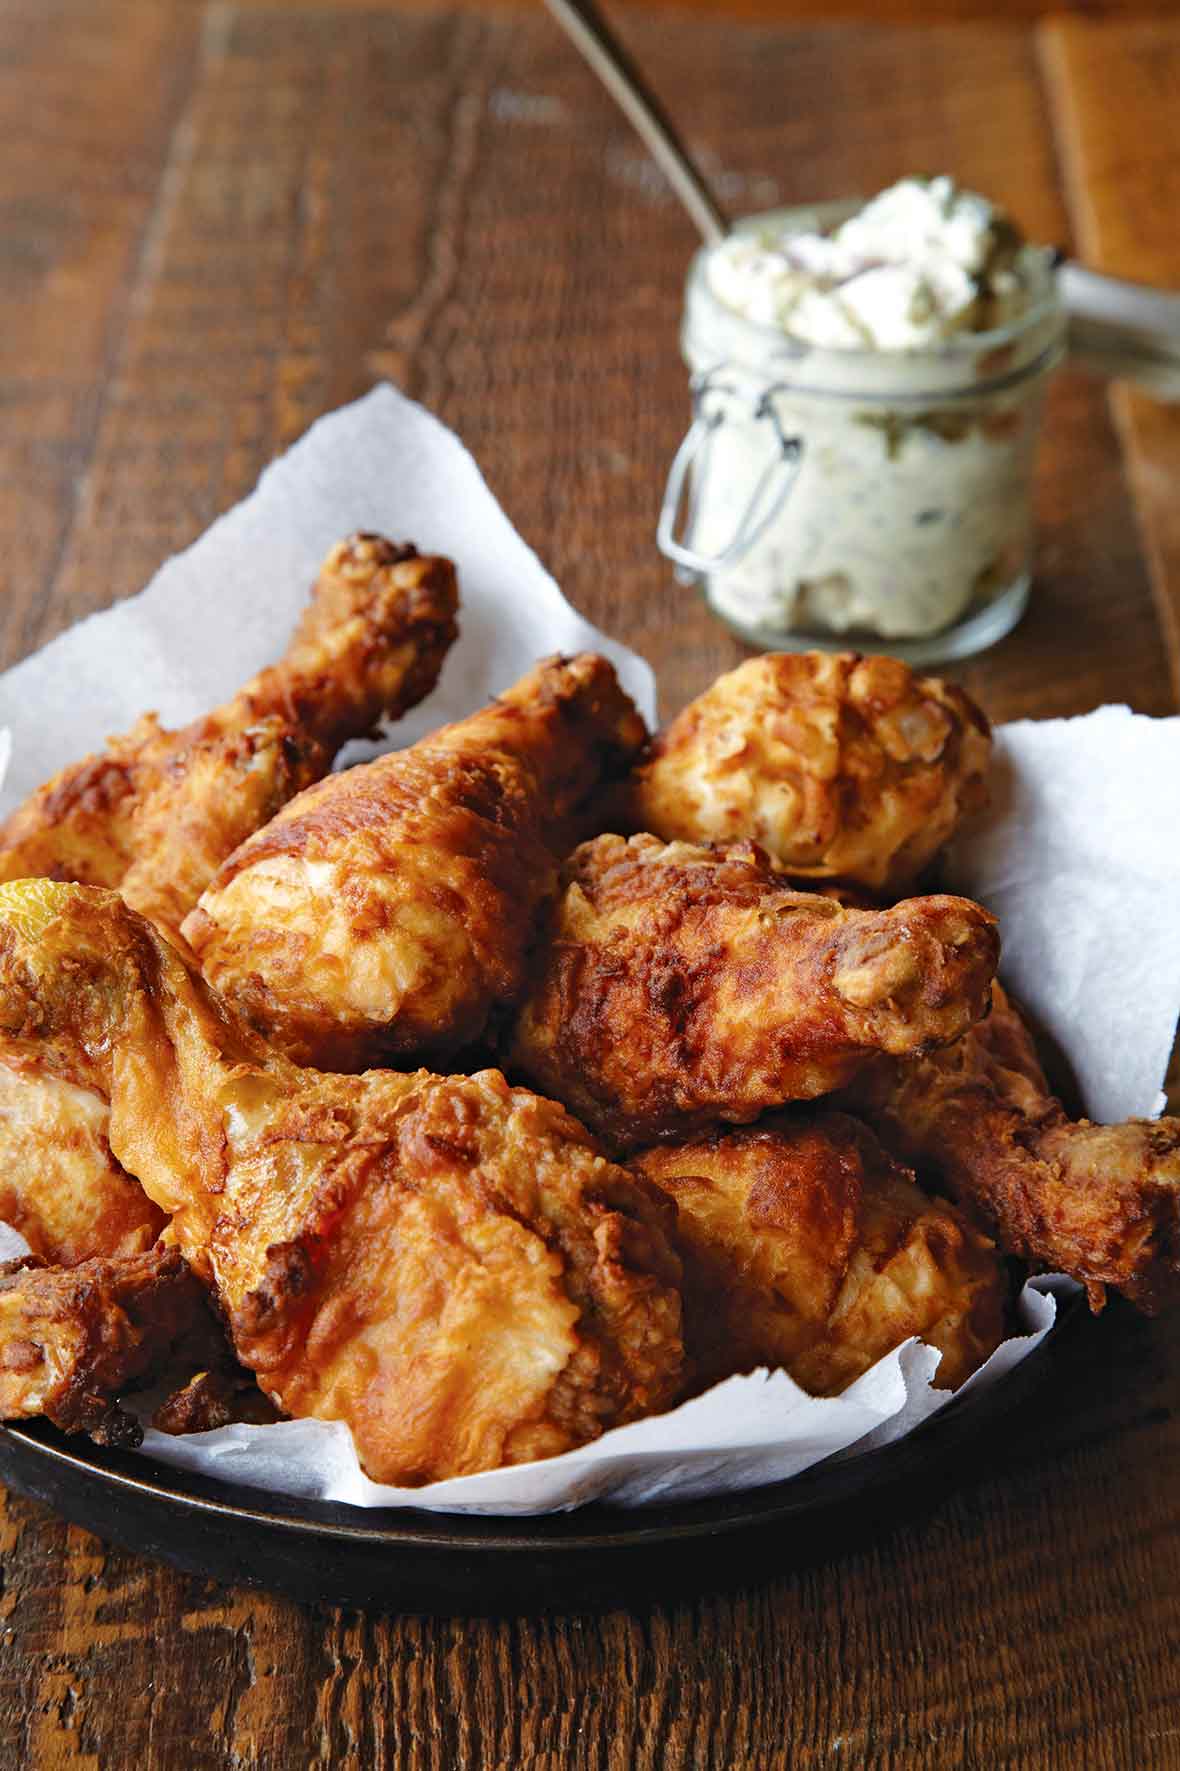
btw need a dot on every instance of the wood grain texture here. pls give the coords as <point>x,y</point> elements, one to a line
<point>1117,97</point>
<point>1033,1620</point>
<point>89,98</point>
<point>345,196</point>
<point>239,217</point>
<point>780,12</point>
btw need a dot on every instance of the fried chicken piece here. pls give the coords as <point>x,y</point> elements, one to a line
<point>72,1340</point>
<point>680,985</point>
<point>805,1246</point>
<point>1100,1202</point>
<point>59,1184</point>
<point>841,767</point>
<point>212,1399</point>
<point>156,813</point>
<point>449,1265</point>
<point>388,911</point>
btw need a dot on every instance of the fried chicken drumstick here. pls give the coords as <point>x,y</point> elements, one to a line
<point>154,816</point>
<point>388,910</point>
<point>805,1246</point>
<point>157,812</point>
<point>840,767</point>
<point>1100,1202</point>
<point>676,986</point>
<point>447,1264</point>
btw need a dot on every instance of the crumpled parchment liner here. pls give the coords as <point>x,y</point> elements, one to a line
<point>1079,857</point>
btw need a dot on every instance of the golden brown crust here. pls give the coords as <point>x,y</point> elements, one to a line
<point>805,1247</point>
<point>466,1279</point>
<point>680,985</point>
<point>72,1340</point>
<point>59,1184</point>
<point>1101,1203</point>
<point>448,1264</point>
<point>840,766</point>
<point>159,811</point>
<point>371,642</point>
<point>81,824</point>
<point>156,813</point>
<point>388,910</point>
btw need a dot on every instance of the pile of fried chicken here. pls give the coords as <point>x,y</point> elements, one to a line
<point>703,1090</point>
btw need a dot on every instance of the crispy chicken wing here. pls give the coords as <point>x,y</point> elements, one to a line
<point>449,1265</point>
<point>841,767</point>
<point>680,985</point>
<point>805,1246</point>
<point>1100,1202</point>
<point>156,812</point>
<point>388,910</point>
<point>73,1339</point>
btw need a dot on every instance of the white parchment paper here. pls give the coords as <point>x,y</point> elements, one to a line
<point>224,608</point>
<point>1080,857</point>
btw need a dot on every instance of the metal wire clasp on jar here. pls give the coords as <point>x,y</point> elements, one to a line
<point>826,497</point>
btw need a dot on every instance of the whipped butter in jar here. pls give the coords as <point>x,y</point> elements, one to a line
<point>868,385</point>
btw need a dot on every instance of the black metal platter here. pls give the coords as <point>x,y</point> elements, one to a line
<point>455,1565</point>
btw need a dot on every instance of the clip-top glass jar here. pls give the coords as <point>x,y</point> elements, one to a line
<point>882,499</point>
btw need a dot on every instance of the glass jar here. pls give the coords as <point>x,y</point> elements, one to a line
<point>878,499</point>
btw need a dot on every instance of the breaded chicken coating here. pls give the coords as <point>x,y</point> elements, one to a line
<point>59,1184</point>
<point>156,813</point>
<point>1100,1202</point>
<point>72,1340</point>
<point>387,912</point>
<point>449,1265</point>
<point>806,1247</point>
<point>678,985</point>
<point>839,766</point>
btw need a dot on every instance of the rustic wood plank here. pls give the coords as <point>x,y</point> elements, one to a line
<point>781,12</point>
<point>1117,95</point>
<point>89,97</point>
<point>345,199</point>
<point>446,198</point>
<point>1033,1621</point>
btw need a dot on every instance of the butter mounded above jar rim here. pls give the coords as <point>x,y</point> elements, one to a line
<point>919,263</point>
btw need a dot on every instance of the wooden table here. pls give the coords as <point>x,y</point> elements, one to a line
<point>219,221</point>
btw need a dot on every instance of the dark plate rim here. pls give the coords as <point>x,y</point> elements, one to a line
<point>595,1526</point>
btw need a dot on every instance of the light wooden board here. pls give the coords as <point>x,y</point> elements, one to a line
<point>1116,92</point>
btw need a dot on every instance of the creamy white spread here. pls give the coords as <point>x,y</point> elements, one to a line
<point>897,547</point>
<point>922,261</point>
<point>912,502</point>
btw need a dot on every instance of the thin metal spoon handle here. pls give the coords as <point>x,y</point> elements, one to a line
<point>1117,327</point>
<point>592,35</point>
